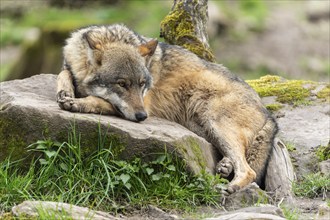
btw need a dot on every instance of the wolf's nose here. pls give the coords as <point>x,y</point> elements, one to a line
<point>141,116</point>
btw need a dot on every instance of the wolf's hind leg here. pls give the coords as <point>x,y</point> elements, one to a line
<point>230,144</point>
<point>65,88</point>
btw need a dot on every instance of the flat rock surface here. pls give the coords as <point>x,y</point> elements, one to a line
<point>307,126</point>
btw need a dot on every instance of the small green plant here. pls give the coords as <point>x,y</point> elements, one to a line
<point>290,146</point>
<point>290,213</point>
<point>312,185</point>
<point>323,152</point>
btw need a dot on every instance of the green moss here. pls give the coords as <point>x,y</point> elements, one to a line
<point>177,28</point>
<point>324,93</point>
<point>274,107</point>
<point>191,150</point>
<point>10,216</point>
<point>11,140</point>
<point>197,152</point>
<point>293,92</point>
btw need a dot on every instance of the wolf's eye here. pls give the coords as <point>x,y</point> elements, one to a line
<point>122,84</point>
<point>142,83</point>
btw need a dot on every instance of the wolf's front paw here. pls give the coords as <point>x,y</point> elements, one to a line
<point>63,95</point>
<point>224,167</point>
<point>68,104</point>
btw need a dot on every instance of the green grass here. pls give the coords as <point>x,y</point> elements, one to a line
<point>102,182</point>
<point>290,213</point>
<point>312,185</point>
<point>323,152</point>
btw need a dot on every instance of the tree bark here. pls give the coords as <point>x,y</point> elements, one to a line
<point>280,173</point>
<point>185,25</point>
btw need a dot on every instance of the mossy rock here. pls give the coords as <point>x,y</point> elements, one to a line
<point>289,92</point>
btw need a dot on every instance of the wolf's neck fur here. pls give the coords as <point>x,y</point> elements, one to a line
<point>161,63</point>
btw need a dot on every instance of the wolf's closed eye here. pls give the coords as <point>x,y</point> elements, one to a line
<point>122,84</point>
<point>142,83</point>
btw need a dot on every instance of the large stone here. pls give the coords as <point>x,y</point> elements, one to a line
<point>57,210</point>
<point>29,112</point>
<point>325,167</point>
<point>264,212</point>
<point>250,195</point>
<point>305,126</point>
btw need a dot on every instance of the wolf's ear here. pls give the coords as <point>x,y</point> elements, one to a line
<point>93,40</point>
<point>94,49</point>
<point>148,48</point>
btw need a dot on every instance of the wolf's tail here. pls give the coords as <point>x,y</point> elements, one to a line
<point>260,149</point>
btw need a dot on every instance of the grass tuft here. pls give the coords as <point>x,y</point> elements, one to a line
<point>323,152</point>
<point>290,213</point>
<point>100,181</point>
<point>312,185</point>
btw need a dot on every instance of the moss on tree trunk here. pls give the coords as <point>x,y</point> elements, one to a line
<point>185,26</point>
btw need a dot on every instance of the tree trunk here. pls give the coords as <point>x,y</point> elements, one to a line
<point>280,173</point>
<point>185,26</point>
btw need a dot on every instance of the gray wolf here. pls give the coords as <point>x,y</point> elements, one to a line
<point>113,70</point>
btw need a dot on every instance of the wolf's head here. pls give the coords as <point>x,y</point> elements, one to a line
<point>118,74</point>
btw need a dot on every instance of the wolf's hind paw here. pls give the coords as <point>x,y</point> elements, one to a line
<point>224,167</point>
<point>228,190</point>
